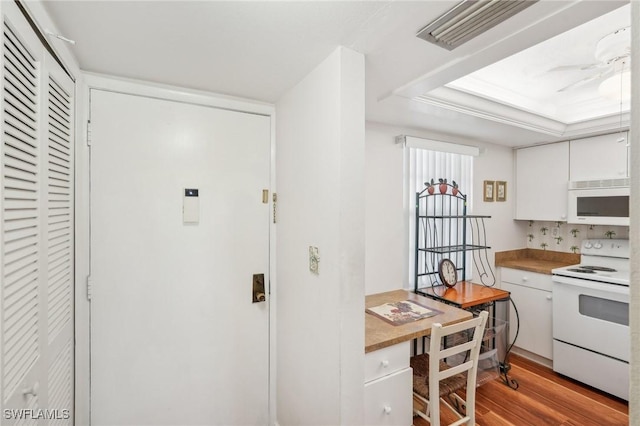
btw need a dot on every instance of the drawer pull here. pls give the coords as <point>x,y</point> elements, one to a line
<point>387,410</point>
<point>549,297</point>
<point>384,363</point>
<point>525,279</point>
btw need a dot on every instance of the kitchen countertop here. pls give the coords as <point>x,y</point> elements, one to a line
<point>381,334</point>
<point>534,260</point>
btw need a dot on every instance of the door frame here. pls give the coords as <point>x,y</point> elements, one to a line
<point>85,84</point>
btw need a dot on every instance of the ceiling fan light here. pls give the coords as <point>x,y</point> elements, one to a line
<point>614,45</point>
<point>616,87</point>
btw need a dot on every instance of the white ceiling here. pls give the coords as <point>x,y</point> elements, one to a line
<point>553,79</point>
<point>259,50</point>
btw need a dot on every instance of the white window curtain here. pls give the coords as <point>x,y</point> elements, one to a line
<point>426,160</point>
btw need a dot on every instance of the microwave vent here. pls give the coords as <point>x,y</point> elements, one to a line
<point>598,184</point>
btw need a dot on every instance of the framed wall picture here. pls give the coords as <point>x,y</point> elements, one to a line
<point>501,190</point>
<point>488,190</point>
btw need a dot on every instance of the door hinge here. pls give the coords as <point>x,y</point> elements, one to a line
<point>275,203</point>
<point>88,133</point>
<point>89,286</point>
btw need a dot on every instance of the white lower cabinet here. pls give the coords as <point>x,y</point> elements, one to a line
<point>531,293</point>
<point>388,386</point>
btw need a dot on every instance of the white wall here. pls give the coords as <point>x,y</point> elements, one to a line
<point>385,227</point>
<point>320,175</point>
<point>385,233</point>
<point>634,235</point>
<point>503,233</point>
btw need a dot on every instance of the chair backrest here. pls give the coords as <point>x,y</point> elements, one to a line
<point>473,329</point>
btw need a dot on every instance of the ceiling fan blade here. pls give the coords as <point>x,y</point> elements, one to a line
<point>581,67</point>
<point>587,80</point>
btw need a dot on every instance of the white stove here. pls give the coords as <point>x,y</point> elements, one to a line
<point>591,340</point>
<point>604,260</point>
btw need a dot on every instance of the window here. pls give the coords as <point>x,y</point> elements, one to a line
<point>426,160</point>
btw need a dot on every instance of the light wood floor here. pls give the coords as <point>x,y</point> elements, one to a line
<point>544,398</point>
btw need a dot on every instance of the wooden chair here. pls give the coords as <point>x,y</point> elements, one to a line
<point>434,379</point>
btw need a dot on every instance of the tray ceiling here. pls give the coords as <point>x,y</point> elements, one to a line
<point>551,86</point>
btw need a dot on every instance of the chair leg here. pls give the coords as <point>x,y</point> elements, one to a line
<point>459,408</point>
<point>458,403</point>
<point>464,409</point>
<point>434,413</point>
<point>471,406</point>
<point>426,413</point>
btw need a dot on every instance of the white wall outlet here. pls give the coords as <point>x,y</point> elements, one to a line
<point>314,260</point>
<point>554,231</point>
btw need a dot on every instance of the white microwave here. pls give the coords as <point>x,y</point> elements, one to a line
<point>599,202</point>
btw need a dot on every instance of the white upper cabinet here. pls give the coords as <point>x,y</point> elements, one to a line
<point>599,157</point>
<point>542,174</point>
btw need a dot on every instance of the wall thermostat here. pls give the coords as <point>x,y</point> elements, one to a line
<point>191,206</point>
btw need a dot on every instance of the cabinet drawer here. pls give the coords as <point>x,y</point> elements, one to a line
<point>526,278</point>
<point>386,361</point>
<point>388,400</point>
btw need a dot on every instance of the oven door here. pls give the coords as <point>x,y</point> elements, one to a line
<point>592,315</point>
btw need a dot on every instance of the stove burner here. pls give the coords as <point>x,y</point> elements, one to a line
<point>582,270</point>
<point>598,268</point>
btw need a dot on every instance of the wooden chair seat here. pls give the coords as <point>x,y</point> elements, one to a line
<point>420,365</point>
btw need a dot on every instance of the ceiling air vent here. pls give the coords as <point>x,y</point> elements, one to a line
<point>469,19</point>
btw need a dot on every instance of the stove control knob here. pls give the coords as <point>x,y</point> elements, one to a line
<point>597,245</point>
<point>588,245</point>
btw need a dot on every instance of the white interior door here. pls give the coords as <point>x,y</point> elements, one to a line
<point>175,337</point>
<point>36,253</point>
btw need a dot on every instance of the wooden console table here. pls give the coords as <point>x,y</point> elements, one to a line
<point>468,295</point>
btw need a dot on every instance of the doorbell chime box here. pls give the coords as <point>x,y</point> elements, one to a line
<point>191,206</point>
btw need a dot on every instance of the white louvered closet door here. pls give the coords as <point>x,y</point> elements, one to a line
<point>36,308</point>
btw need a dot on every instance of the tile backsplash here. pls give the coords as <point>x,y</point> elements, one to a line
<point>565,237</point>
